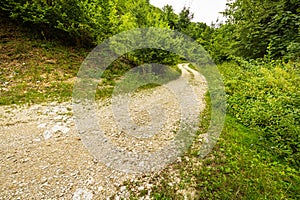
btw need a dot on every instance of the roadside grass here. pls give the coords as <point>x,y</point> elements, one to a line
<point>264,95</point>
<point>33,70</point>
<point>137,80</point>
<point>237,168</point>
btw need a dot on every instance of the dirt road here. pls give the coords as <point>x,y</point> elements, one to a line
<point>43,157</point>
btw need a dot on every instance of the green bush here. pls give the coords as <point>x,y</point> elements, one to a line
<point>88,21</point>
<point>293,51</point>
<point>265,96</point>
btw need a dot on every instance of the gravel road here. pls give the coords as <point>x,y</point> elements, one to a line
<point>43,155</point>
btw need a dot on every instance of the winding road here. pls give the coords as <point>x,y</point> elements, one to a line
<point>43,155</point>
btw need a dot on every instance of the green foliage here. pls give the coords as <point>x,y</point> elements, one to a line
<point>184,20</point>
<point>144,14</point>
<point>147,77</point>
<point>265,96</point>
<point>89,22</point>
<point>169,16</point>
<point>35,71</point>
<point>198,30</point>
<point>264,27</point>
<point>84,21</point>
<point>293,52</point>
<point>216,42</point>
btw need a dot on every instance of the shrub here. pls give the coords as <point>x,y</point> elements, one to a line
<point>265,96</point>
<point>83,21</point>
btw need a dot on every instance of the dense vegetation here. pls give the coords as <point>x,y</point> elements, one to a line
<point>265,96</point>
<point>257,51</point>
<point>265,28</point>
<point>253,29</point>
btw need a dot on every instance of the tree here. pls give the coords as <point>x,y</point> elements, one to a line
<point>185,17</point>
<point>264,27</point>
<point>169,16</point>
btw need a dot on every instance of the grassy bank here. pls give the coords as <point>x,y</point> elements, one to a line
<point>34,70</point>
<point>264,96</point>
<point>239,167</point>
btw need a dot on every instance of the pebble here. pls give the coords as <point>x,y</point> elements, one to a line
<point>82,194</point>
<point>100,188</point>
<point>123,188</point>
<point>44,180</point>
<point>56,128</point>
<point>43,125</point>
<point>141,188</point>
<point>47,134</point>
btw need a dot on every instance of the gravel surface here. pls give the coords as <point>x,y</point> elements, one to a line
<point>43,156</point>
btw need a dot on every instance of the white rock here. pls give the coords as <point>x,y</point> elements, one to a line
<point>42,125</point>
<point>60,128</point>
<point>149,186</point>
<point>141,188</point>
<point>82,194</point>
<point>47,134</point>
<point>37,140</point>
<point>58,117</point>
<point>100,188</point>
<point>123,188</point>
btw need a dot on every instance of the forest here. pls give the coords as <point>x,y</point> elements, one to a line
<point>256,50</point>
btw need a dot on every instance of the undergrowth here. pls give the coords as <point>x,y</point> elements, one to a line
<point>33,70</point>
<point>265,96</point>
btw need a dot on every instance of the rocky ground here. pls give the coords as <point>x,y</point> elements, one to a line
<point>43,155</point>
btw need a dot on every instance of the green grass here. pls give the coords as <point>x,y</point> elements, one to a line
<point>265,96</point>
<point>34,70</point>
